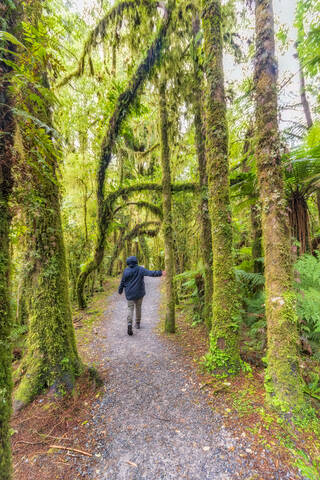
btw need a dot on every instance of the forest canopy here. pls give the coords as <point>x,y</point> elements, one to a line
<point>183,132</point>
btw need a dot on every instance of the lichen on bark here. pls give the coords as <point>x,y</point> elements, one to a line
<point>10,16</point>
<point>51,359</point>
<point>223,357</point>
<point>200,135</point>
<point>283,379</point>
<point>167,211</point>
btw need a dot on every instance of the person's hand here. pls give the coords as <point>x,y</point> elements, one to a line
<point>164,273</point>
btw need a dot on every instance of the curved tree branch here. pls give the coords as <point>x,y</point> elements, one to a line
<point>142,204</point>
<point>125,100</point>
<point>138,230</point>
<point>121,111</point>
<point>106,218</point>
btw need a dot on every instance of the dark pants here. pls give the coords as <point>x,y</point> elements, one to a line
<point>131,304</point>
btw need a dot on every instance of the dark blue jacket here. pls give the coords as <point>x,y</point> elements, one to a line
<point>132,279</point>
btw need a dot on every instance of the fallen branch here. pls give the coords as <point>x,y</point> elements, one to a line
<point>29,443</point>
<point>160,418</point>
<point>60,447</point>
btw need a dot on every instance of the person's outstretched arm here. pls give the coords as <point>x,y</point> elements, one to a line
<point>121,286</point>
<point>152,273</point>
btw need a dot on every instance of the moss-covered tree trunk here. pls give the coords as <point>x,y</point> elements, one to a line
<point>51,359</point>
<point>223,357</point>
<point>303,95</point>
<point>283,381</point>
<point>256,234</point>
<point>9,13</point>
<point>206,240</point>
<point>167,212</point>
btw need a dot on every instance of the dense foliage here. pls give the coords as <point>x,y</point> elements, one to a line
<point>126,136</point>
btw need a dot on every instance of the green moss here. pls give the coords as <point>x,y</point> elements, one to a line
<point>9,18</point>
<point>167,213</point>
<point>223,357</point>
<point>5,343</point>
<point>51,360</point>
<point>121,111</point>
<point>283,379</point>
<point>206,235</point>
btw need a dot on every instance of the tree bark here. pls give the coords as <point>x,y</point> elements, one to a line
<point>51,359</point>
<point>283,380</point>
<point>223,357</point>
<point>256,234</point>
<point>200,139</point>
<point>9,12</point>
<point>303,95</point>
<point>167,213</point>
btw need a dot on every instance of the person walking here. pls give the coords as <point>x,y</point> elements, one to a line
<point>133,283</point>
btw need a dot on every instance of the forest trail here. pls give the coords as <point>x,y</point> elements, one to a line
<point>154,421</point>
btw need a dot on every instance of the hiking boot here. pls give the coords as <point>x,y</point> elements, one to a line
<point>137,325</point>
<point>130,332</point>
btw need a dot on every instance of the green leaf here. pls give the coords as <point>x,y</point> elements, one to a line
<point>8,37</point>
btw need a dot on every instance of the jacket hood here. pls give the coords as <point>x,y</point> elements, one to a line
<point>132,261</point>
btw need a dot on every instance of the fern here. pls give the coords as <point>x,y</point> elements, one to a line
<point>308,295</point>
<point>252,281</point>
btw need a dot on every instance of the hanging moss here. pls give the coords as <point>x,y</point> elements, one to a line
<point>299,220</point>
<point>283,380</point>
<point>151,207</point>
<point>121,111</point>
<point>223,357</point>
<point>101,30</point>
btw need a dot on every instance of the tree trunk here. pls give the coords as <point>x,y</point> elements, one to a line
<point>51,359</point>
<point>145,250</point>
<point>9,12</point>
<point>283,381</point>
<point>303,96</point>
<point>256,234</point>
<point>167,213</point>
<point>200,136</point>
<point>223,357</point>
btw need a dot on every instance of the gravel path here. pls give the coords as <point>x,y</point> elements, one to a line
<point>154,422</point>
